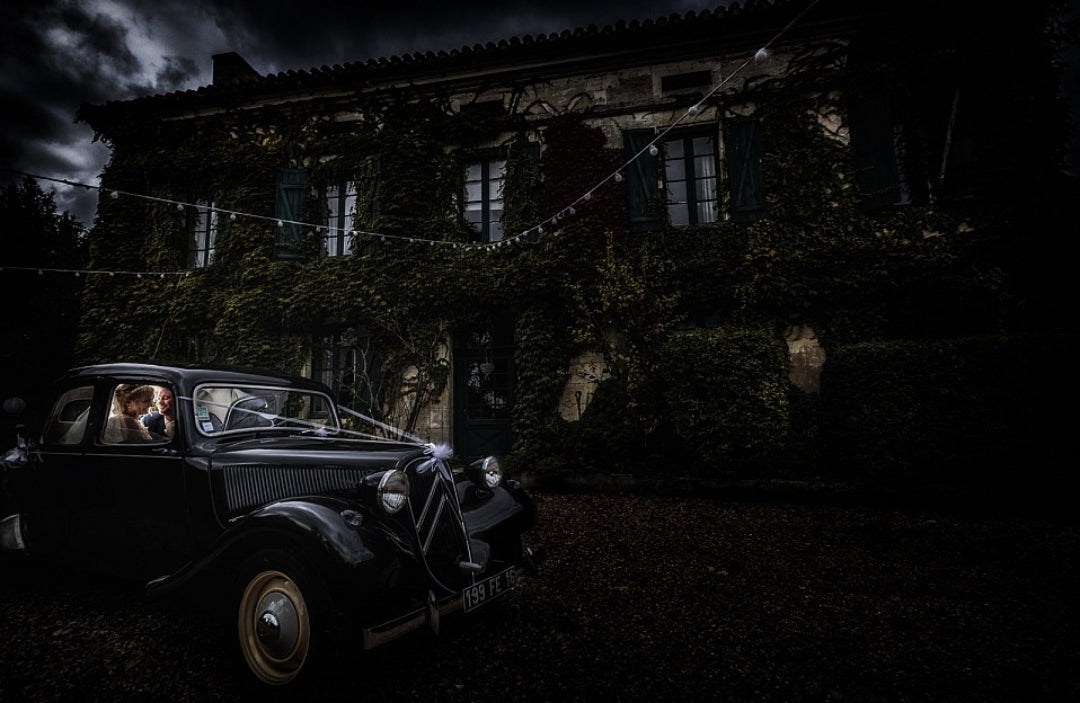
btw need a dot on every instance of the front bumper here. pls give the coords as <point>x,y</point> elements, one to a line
<point>13,534</point>
<point>435,609</point>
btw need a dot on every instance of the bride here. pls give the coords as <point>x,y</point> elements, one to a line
<point>130,401</point>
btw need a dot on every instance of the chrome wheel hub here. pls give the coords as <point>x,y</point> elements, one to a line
<point>277,626</point>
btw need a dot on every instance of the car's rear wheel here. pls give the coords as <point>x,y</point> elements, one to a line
<point>276,618</point>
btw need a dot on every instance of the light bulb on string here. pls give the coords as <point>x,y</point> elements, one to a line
<point>280,223</point>
<point>618,177</point>
<point>587,196</point>
<point>761,54</point>
<point>232,217</point>
<point>114,195</point>
<point>179,207</point>
<point>653,151</point>
<point>693,110</point>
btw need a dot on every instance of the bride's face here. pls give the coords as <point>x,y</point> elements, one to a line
<point>138,406</point>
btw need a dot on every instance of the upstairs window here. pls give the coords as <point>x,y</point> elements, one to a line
<point>340,200</point>
<point>483,199</point>
<point>690,178</point>
<point>202,234</point>
<point>875,141</point>
<point>689,163</point>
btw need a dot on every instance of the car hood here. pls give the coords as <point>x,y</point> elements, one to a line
<point>246,474</point>
<point>314,451</point>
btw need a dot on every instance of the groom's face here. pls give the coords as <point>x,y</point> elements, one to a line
<point>164,402</point>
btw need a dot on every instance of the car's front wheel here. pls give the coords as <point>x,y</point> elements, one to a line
<point>276,617</point>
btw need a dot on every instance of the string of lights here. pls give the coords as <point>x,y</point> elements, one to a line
<point>42,270</point>
<point>652,148</point>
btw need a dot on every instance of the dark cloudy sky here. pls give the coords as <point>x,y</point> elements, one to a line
<point>56,54</point>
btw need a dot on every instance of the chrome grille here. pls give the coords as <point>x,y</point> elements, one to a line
<point>250,485</point>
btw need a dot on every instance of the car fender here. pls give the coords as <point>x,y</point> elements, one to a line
<point>494,508</point>
<point>324,529</point>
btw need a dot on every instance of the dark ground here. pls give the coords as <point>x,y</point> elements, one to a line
<point>647,599</point>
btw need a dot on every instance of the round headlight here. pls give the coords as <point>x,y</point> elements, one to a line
<point>393,491</point>
<point>491,472</point>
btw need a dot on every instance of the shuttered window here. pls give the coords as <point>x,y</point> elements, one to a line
<point>288,207</point>
<point>690,177</point>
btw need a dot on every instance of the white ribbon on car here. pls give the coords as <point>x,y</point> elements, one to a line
<point>440,453</point>
<point>381,425</point>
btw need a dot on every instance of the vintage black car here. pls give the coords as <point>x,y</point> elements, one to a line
<point>258,485</point>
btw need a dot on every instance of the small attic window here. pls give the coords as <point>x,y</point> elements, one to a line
<point>487,108</point>
<point>685,81</point>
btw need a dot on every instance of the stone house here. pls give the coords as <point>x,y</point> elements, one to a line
<point>439,162</point>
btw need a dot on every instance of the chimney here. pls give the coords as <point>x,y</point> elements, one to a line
<point>231,68</point>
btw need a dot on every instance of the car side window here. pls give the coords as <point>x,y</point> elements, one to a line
<point>66,424</point>
<point>129,415</point>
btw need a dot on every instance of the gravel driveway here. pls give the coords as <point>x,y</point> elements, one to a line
<point>645,599</point>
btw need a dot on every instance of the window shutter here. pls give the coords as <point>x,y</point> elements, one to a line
<point>642,190</point>
<point>520,199</point>
<point>743,142</point>
<point>288,206</point>
<point>874,147</point>
<point>374,174</point>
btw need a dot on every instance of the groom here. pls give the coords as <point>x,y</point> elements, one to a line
<point>162,422</point>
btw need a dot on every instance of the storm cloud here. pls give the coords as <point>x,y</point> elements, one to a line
<point>57,54</point>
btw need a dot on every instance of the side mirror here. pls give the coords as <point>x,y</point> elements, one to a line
<point>14,406</point>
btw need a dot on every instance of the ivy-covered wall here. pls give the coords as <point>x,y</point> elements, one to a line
<point>711,400</point>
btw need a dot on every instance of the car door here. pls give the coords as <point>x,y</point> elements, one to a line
<point>62,501</point>
<point>146,532</point>
<point>103,503</point>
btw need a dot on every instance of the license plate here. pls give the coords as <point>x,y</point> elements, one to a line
<point>490,588</point>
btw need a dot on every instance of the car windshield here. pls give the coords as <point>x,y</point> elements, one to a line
<point>221,409</point>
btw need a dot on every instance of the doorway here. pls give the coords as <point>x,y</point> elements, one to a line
<point>484,388</point>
